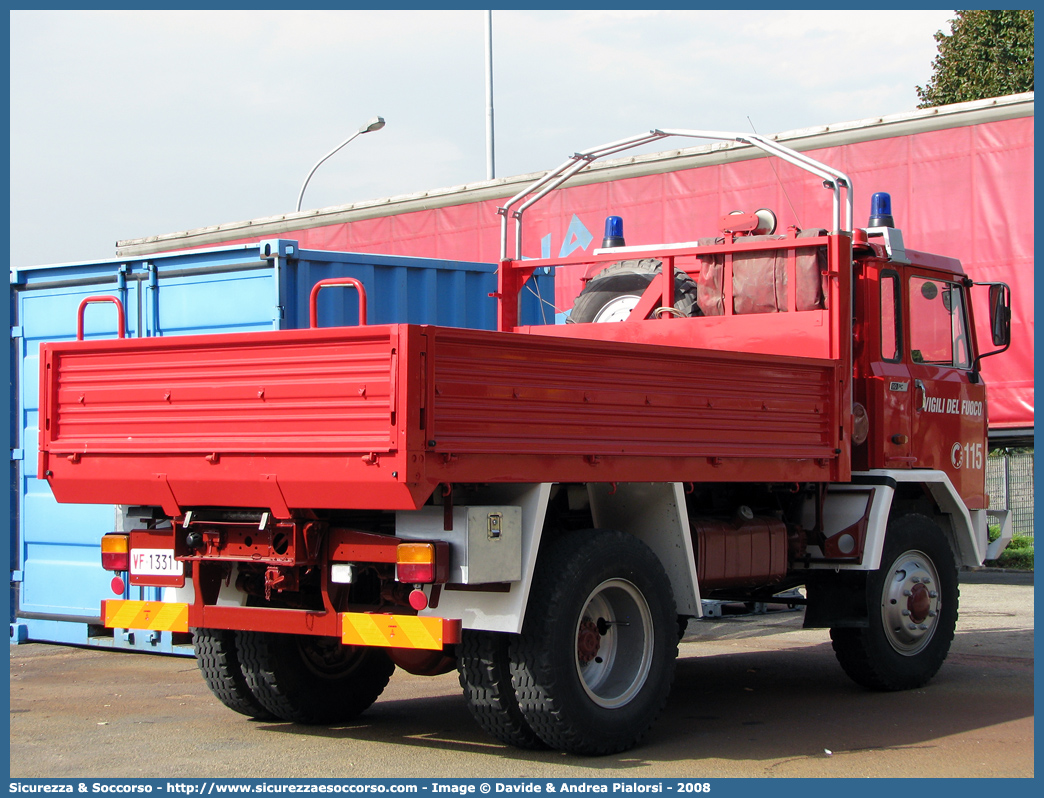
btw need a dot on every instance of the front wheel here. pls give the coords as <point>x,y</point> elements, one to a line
<point>912,611</point>
<point>594,663</point>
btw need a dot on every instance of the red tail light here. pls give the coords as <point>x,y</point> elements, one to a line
<point>422,563</point>
<point>115,552</point>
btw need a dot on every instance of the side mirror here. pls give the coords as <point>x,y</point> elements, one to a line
<point>1000,314</point>
<point>1000,320</point>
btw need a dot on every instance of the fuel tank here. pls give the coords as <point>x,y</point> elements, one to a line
<point>742,551</point>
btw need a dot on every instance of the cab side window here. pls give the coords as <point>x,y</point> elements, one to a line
<point>891,329</point>
<point>938,325</point>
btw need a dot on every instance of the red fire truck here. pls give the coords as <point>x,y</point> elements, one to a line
<point>544,508</point>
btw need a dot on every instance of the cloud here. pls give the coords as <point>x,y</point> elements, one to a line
<point>133,123</point>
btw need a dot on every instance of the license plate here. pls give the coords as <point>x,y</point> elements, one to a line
<point>156,567</point>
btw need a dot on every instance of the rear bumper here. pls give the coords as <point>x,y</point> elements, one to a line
<point>383,630</point>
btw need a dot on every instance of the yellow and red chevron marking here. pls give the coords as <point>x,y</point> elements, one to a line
<point>398,631</point>
<point>156,616</point>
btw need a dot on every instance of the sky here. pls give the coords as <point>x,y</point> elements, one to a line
<point>126,124</point>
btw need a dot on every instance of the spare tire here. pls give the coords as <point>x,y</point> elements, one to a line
<point>613,293</point>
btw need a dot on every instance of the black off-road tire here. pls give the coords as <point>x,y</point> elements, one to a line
<point>485,676</point>
<point>218,661</point>
<point>312,680</point>
<point>911,621</point>
<point>683,626</point>
<point>595,661</point>
<point>630,278</point>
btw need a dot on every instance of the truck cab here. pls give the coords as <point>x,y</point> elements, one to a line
<point>917,370</point>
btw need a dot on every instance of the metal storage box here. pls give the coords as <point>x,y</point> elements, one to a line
<point>57,582</point>
<point>485,542</point>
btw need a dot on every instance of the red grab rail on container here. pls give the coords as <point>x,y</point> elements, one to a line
<point>313,298</point>
<point>121,330</point>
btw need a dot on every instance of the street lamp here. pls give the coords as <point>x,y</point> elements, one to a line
<point>374,124</point>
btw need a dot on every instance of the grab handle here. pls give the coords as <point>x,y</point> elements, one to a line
<point>313,308</point>
<point>121,330</point>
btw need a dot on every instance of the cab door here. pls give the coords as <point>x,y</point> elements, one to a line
<point>948,420</point>
<point>889,385</point>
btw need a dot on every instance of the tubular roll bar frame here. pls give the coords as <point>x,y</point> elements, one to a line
<point>833,179</point>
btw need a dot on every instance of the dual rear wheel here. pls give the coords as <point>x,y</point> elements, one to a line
<point>594,663</point>
<point>589,674</point>
<point>298,678</point>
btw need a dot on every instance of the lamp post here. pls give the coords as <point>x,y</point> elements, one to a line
<point>490,173</point>
<point>374,124</point>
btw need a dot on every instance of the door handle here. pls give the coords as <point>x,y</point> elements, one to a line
<point>919,386</point>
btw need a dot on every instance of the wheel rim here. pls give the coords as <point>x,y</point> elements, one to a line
<point>327,658</point>
<point>910,602</point>
<point>617,309</point>
<point>614,643</point>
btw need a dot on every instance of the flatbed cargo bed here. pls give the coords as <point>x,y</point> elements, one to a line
<point>376,417</point>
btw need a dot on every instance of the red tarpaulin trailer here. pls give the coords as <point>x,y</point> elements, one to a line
<point>960,176</point>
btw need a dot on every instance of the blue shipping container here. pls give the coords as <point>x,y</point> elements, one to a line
<point>57,583</point>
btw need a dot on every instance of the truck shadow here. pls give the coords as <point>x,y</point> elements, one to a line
<point>798,703</point>
<point>781,704</point>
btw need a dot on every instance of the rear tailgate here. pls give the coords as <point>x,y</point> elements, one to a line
<point>273,420</point>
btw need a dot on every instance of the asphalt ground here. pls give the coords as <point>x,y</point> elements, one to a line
<point>754,696</point>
